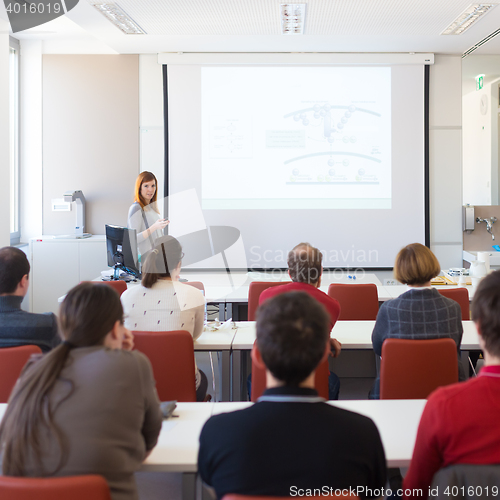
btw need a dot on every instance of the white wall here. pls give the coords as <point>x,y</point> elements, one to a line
<point>31,139</point>
<point>90,137</point>
<point>151,118</point>
<point>4,135</point>
<point>445,136</point>
<point>480,147</point>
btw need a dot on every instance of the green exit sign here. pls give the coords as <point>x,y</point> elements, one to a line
<point>479,82</point>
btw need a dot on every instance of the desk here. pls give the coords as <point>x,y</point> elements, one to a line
<point>178,443</point>
<point>353,335</point>
<point>221,341</point>
<point>229,290</point>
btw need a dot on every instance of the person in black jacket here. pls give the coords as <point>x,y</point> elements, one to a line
<point>18,327</point>
<point>291,442</point>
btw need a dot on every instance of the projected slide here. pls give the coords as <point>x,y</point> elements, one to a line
<point>296,137</point>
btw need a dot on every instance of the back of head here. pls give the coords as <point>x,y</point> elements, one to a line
<point>292,332</point>
<point>13,266</point>
<point>87,315</point>
<point>162,260</point>
<point>304,263</point>
<point>415,265</point>
<point>486,312</point>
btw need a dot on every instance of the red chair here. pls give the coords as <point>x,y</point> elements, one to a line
<point>357,301</point>
<point>54,488</point>
<point>197,284</point>
<point>412,369</point>
<point>12,361</point>
<point>254,291</point>
<point>119,285</point>
<point>172,357</point>
<point>259,379</point>
<point>460,295</point>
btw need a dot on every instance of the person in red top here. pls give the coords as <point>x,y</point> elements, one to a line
<point>453,428</point>
<point>305,269</point>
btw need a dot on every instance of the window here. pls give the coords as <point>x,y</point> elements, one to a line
<point>15,231</point>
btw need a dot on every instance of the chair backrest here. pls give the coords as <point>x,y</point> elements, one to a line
<point>259,379</point>
<point>54,488</point>
<point>468,482</point>
<point>412,369</point>
<point>119,285</point>
<point>357,301</point>
<point>336,494</point>
<point>12,361</point>
<point>197,284</point>
<point>172,357</point>
<point>460,295</point>
<point>254,291</point>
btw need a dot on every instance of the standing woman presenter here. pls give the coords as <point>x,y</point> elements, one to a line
<point>143,215</point>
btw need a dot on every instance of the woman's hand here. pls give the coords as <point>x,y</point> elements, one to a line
<point>128,341</point>
<point>159,225</point>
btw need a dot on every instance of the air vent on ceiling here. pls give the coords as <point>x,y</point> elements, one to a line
<point>467,18</point>
<point>114,13</point>
<point>293,17</point>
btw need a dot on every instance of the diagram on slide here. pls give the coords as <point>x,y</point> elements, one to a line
<point>315,137</point>
<point>341,158</point>
<point>230,137</point>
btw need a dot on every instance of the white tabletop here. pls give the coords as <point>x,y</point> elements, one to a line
<point>178,444</point>
<point>177,448</point>
<point>219,340</point>
<point>351,334</point>
<point>241,278</point>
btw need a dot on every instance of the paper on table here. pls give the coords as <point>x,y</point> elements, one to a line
<point>220,327</point>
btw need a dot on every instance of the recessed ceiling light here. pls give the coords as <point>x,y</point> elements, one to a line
<point>114,13</point>
<point>467,18</point>
<point>293,17</point>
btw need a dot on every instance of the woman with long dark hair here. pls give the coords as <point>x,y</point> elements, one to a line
<point>163,303</point>
<point>144,215</point>
<point>89,406</point>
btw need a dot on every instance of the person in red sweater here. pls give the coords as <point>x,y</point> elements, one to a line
<point>305,269</point>
<point>453,428</point>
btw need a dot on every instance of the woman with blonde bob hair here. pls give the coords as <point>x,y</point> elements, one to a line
<point>143,215</point>
<point>421,312</point>
<point>89,406</point>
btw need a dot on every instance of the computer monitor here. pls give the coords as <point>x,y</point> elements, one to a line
<point>121,244</point>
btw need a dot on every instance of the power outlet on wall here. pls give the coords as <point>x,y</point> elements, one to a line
<point>390,282</point>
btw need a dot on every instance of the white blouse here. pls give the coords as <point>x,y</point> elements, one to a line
<point>167,305</point>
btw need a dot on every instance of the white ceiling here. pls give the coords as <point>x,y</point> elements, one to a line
<point>254,26</point>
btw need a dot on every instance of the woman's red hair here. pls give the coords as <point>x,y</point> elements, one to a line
<point>145,177</point>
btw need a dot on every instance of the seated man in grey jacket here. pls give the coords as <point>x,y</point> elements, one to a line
<point>18,327</point>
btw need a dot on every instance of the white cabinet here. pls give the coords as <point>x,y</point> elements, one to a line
<point>57,265</point>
